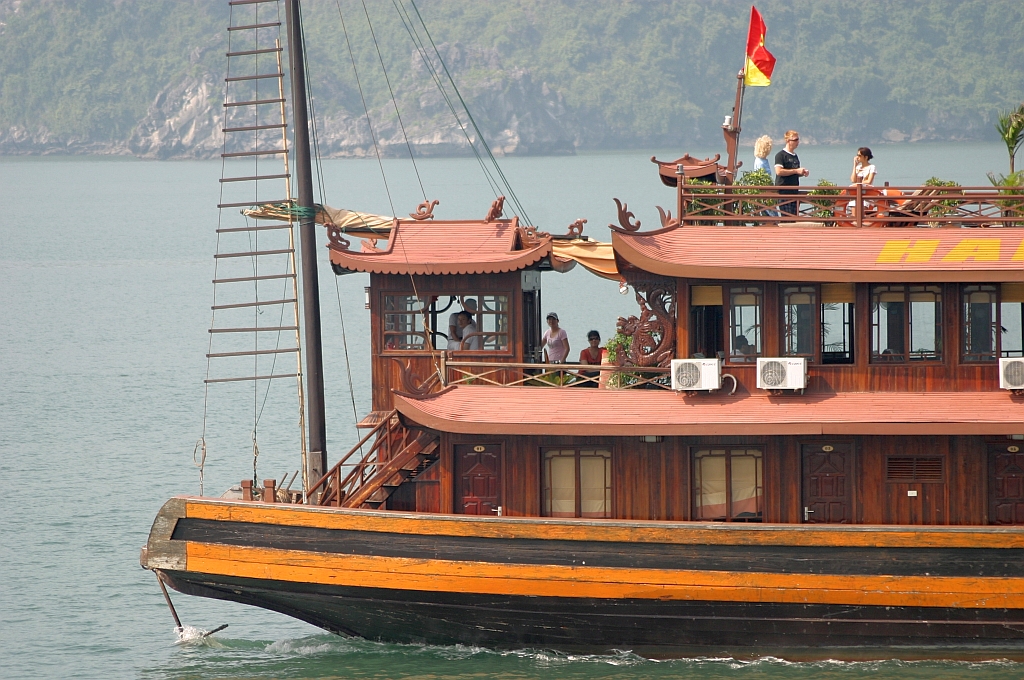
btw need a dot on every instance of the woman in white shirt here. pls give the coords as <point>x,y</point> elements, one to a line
<point>863,170</point>
<point>555,342</point>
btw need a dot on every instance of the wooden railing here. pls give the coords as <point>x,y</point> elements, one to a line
<point>855,206</point>
<point>555,375</point>
<point>349,474</point>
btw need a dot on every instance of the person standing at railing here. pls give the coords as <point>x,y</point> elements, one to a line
<point>762,147</point>
<point>788,171</point>
<point>555,342</point>
<point>592,355</point>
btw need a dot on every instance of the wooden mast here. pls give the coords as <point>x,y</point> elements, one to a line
<point>316,459</point>
<point>731,127</point>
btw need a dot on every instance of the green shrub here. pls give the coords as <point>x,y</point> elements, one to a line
<point>825,188</point>
<point>945,207</point>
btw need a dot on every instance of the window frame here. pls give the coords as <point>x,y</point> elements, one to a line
<point>727,454</point>
<point>998,352</point>
<point>814,356</point>
<point>728,325</point>
<point>439,318</point>
<point>850,323</point>
<point>906,356</point>
<point>545,480</point>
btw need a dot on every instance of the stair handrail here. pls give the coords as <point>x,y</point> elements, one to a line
<point>333,492</point>
<point>383,471</point>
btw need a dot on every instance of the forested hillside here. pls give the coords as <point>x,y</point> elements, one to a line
<point>541,75</point>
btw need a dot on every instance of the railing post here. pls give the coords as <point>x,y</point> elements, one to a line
<point>269,491</point>
<point>858,205</point>
<point>246,489</point>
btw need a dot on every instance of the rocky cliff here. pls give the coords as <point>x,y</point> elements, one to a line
<point>516,115</point>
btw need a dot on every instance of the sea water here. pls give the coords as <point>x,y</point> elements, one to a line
<point>105,269</point>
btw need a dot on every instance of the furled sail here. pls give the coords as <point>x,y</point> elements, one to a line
<point>348,220</point>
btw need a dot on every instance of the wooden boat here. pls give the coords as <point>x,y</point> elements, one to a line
<point>847,480</point>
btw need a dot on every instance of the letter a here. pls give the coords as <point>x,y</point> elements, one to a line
<point>977,249</point>
<point>894,251</point>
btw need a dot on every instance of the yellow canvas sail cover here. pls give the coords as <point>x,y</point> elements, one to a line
<point>348,220</point>
<point>598,258</point>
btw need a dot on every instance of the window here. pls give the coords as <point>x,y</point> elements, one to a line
<point>744,323</point>
<point>405,316</point>
<point>577,483</point>
<point>906,323</point>
<point>706,326</point>
<point>991,324</point>
<point>837,323</point>
<point>490,318</point>
<point>728,485</point>
<point>799,327</point>
<point>403,323</point>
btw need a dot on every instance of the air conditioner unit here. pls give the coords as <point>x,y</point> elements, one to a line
<point>696,374</point>
<point>782,373</point>
<point>1011,374</point>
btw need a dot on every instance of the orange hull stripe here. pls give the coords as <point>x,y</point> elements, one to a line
<point>858,536</point>
<point>602,582</point>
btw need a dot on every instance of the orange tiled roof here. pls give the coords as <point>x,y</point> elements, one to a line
<point>446,247</point>
<point>567,411</point>
<point>827,254</point>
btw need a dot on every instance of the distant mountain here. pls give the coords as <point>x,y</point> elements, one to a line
<point>144,77</point>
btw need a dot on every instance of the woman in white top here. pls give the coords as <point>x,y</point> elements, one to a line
<point>763,147</point>
<point>863,171</point>
<point>555,342</point>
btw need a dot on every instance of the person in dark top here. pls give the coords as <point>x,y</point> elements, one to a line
<point>788,171</point>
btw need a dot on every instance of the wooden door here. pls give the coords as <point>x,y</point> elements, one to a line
<point>478,475</point>
<point>828,483</point>
<point>1006,483</point>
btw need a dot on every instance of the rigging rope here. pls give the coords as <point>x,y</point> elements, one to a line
<point>508,187</point>
<point>417,42</point>
<point>366,109</point>
<point>323,201</point>
<point>383,69</point>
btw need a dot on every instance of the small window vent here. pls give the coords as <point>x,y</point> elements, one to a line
<point>913,469</point>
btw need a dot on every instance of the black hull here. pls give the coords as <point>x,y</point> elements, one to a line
<point>649,628</point>
<point>658,589</point>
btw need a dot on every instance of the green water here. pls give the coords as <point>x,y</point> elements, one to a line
<point>105,268</point>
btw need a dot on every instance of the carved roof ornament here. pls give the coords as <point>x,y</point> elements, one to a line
<point>495,212</point>
<point>425,210</point>
<point>576,228</point>
<point>334,235</point>
<point>529,237</point>
<point>412,384</point>
<point>625,217</point>
<point>666,218</point>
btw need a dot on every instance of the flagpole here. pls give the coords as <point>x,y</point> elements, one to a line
<point>731,128</point>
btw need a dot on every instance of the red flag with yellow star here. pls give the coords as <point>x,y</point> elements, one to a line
<point>757,72</point>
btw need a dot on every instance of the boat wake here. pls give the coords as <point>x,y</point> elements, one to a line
<point>195,637</point>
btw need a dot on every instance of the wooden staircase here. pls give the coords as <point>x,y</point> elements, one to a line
<point>397,455</point>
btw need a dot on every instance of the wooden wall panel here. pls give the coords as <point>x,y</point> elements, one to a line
<point>653,480</point>
<point>631,475</point>
<point>968,480</point>
<point>862,376</point>
<point>385,371</point>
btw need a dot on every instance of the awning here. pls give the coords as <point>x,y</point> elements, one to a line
<point>471,409</point>
<point>598,258</point>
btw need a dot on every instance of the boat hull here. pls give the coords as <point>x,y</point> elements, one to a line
<point>658,589</point>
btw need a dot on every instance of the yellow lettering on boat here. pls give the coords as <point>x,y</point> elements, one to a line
<point>977,249</point>
<point>1019,255</point>
<point>894,251</point>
